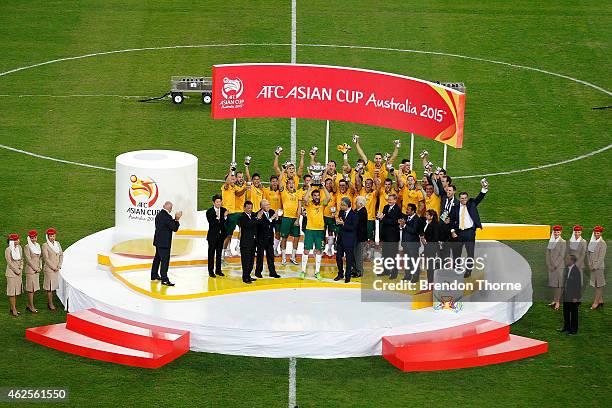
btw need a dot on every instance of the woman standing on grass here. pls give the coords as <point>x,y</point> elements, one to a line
<point>555,261</point>
<point>14,267</point>
<point>33,260</point>
<point>597,253</point>
<point>52,256</point>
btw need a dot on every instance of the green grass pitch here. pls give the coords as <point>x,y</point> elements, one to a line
<point>515,119</point>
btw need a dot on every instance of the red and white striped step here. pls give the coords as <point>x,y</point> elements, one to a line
<point>479,343</point>
<point>101,336</point>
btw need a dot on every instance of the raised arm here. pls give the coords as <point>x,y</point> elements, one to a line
<point>300,169</point>
<point>247,173</point>
<point>275,164</point>
<point>395,152</point>
<point>360,152</point>
<point>306,198</point>
<point>327,196</point>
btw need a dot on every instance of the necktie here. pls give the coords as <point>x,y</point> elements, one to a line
<point>462,222</point>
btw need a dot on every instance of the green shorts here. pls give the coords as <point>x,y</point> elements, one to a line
<point>313,238</point>
<point>371,228</point>
<point>330,225</point>
<point>287,227</point>
<point>232,221</point>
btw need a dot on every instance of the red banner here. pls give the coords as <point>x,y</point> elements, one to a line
<point>339,93</point>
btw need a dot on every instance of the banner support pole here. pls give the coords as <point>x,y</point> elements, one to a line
<point>327,142</point>
<point>411,151</point>
<point>445,153</point>
<point>234,141</point>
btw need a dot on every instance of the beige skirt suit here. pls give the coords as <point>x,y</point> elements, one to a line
<point>52,265</point>
<point>33,266</point>
<point>14,268</point>
<point>596,264</point>
<point>555,261</point>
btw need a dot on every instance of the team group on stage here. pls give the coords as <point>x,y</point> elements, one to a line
<point>32,260</point>
<point>340,213</point>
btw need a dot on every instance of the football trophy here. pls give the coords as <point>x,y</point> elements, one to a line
<point>247,160</point>
<point>278,150</point>
<point>316,171</point>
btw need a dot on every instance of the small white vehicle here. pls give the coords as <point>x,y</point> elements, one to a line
<point>190,84</point>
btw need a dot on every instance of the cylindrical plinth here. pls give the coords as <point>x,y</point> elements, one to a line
<point>145,180</point>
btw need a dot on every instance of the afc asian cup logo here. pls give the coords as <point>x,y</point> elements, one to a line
<point>232,88</point>
<point>143,193</point>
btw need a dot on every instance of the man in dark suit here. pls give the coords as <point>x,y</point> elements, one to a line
<point>390,232</point>
<point>411,226</point>
<point>248,241</point>
<point>216,217</point>
<point>572,293</point>
<point>362,235</point>
<point>447,199</point>
<point>266,221</point>
<point>165,225</point>
<point>348,223</point>
<point>464,221</point>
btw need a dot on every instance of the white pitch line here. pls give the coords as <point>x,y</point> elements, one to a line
<point>573,159</point>
<point>91,166</point>
<point>292,387</point>
<point>293,131</point>
<point>591,85</point>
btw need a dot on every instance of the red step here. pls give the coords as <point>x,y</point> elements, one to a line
<point>480,333</point>
<point>474,344</point>
<point>101,336</point>
<point>127,333</point>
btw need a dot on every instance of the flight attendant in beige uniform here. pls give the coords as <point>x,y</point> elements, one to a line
<point>14,268</point>
<point>596,252</point>
<point>32,253</point>
<point>577,247</point>
<point>555,261</point>
<point>52,256</point>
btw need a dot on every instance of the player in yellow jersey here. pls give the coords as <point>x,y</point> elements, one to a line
<point>411,194</point>
<point>379,162</point>
<point>405,171</point>
<point>345,189</point>
<point>240,190</point>
<point>370,195</point>
<point>432,200</point>
<point>290,226</point>
<point>273,195</point>
<point>290,171</point>
<point>229,193</point>
<point>315,228</point>
<point>329,217</point>
<point>255,190</point>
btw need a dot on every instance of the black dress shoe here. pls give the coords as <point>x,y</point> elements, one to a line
<point>220,273</point>
<point>258,275</point>
<point>212,275</point>
<point>563,330</point>
<point>571,333</point>
<point>155,278</point>
<point>247,281</point>
<point>339,277</point>
<point>347,280</point>
<point>252,279</point>
<point>167,283</point>
<point>276,275</point>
